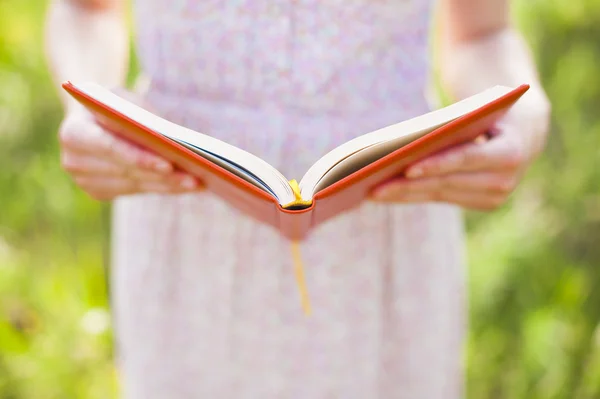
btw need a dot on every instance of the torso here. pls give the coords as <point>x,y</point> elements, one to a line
<point>364,61</point>
<point>205,299</point>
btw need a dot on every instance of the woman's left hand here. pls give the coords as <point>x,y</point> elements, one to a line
<point>479,175</point>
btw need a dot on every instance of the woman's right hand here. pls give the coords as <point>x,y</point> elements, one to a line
<point>106,167</point>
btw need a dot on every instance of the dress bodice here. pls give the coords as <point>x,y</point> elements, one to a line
<point>325,55</point>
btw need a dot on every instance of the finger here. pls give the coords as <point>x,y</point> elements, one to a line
<point>490,182</point>
<point>431,190</point>
<point>474,200</point>
<point>176,183</point>
<point>170,187</point>
<point>503,152</point>
<point>399,188</point>
<point>83,164</point>
<point>99,168</point>
<point>130,155</point>
<point>86,137</point>
<point>175,178</point>
<point>107,188</point>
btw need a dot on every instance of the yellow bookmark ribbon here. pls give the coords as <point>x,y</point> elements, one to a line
<point>299,272</point>
<point>298,202</point>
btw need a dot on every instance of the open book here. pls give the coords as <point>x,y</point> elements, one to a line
<point>338,181</point>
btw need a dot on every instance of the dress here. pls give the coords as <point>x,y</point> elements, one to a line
<point>204,299</point>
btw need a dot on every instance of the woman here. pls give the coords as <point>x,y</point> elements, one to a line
<point>204,298</point>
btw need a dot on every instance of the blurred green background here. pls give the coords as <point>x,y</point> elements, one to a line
<point>534,265</point>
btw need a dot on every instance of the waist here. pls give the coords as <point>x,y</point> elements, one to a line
<point>406,102</point>
<point>347,98</point>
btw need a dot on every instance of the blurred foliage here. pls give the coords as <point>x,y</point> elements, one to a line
<point>534,275</point>
<point>535,302</point>
<point>55,336</point>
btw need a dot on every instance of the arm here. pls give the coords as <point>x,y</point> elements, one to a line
<point>88,40</point>
<point>480,49</point>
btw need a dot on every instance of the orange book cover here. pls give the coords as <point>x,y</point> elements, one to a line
<point>296,222</point>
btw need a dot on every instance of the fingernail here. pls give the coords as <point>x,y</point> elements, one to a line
<point>188,182</point>
<point>415,172</point>
<point>163,167</point>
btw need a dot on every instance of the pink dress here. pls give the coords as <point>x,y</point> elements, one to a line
<point>205,299</point>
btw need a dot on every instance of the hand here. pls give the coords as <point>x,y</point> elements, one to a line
<point>106,166</point>
<point>479,175</point>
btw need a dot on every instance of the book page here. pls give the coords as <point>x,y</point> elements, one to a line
<point>364,157</point>
<point>242,163</point>
<point>233,168</point>
<point>359,152</point>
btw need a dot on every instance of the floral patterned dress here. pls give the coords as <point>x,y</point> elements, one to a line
<point>204,298</point>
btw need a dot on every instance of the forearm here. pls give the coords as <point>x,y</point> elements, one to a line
<point>479,48</point>
<point>500,58</point>
<point>86,41</point>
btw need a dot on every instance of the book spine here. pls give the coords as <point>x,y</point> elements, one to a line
<point>295,225</point>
